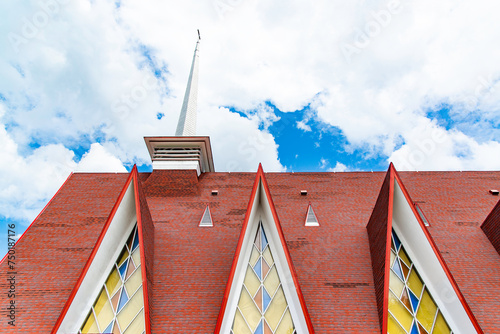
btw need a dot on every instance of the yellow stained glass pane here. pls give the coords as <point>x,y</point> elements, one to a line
<point>393,327</point>
<point>404,257</point>
<point>254,256</point>
<point>286,324</point>
<point>248,309</point>
<point>251,281</point>
<point>123,256</point>
<point>138,325</point>
<point>393,257</point>
<point>396,284</point>
<point>101,300</point>
<point>276,309</point>
<point>239,325</point>
<point>103,310</point>
<point>272,281</point>
<point>441,327</point>
<point>130,310</point>
<point>136,256</point>
<point>113,282</point>
<point>134,282</point>
<point>426,311</point>
<point>414,283</point>
<point>90,325</point>
<point>400,312</point>
<point>268,257</point>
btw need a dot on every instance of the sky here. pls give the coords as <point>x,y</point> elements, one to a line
<point>324,85</point>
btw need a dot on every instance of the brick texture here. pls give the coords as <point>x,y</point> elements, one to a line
<point>334,262</point>
<point>491,227</point>
<point>148,233</point>
<point>377,234</point>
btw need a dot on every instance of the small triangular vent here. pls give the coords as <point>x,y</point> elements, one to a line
<point>311,219</point>
<point>206,220</point>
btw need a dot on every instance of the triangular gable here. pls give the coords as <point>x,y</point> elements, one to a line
<point>130,212</point>
<point>491,227</point>
<point>395,211</point>
<point>311,219</point>
<point>261,216</point>
<point>206,219</point>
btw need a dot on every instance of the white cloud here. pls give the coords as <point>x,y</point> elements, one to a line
<point>323,163</point>
<point>237,143</point>
<point>430,147</point>
<point>29,181</point>
<point>339,167</point>
<point>303,126</point>
<point>98,159</point>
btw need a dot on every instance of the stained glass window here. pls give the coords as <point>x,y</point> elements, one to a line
<point>119,308</point>
<point>262,307</point>
<point>412,309</point>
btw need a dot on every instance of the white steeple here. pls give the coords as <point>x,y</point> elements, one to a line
<point>185,150</point>
<point>187,120</point>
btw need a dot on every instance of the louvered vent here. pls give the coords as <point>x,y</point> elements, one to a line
<point>206,220</point>
<point>311,219</point>
<point>176,153</point>
<point>421,214</point>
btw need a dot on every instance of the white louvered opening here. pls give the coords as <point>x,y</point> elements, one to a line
<point>174,153</point>
<point>311,219</point>
<point>206,220</point>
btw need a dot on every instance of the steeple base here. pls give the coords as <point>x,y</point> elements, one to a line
<point>181,153</point>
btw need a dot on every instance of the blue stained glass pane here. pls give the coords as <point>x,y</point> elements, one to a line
<point>109,329</point>
<point>266,299</point>
<point>258,268</point>
<point>260,328</point>
<point>136,239</point>
<point>414,301</point>
<point>414,329</point>
<point>123,300</point>
<point>123,269</point>
<point>397,270</point>
<point>397,243</point>
<point>264,238</point>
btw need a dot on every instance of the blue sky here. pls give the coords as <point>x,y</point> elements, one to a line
<point>299,86</point>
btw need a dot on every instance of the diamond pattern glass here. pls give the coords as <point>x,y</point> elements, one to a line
<point>119,308</point>
<point>412,309</point>
<point>262,307</point>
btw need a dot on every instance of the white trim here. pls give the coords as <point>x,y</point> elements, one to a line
<point>177,164</point>
<point>112,243</point>
<point>261,211</point>
<point>421,253</point>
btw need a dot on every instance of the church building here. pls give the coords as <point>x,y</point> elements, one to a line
<point>186,249</point>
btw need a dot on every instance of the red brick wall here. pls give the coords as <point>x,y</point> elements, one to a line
<point>491,227</point>
<point>377,234</point>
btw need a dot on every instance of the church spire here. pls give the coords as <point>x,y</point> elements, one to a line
<point>185,150</point>
<point>186,126</point>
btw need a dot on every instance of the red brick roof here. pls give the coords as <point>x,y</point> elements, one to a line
<point>192,264</point>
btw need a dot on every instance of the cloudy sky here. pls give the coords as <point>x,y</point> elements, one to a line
<point>325,85</point>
